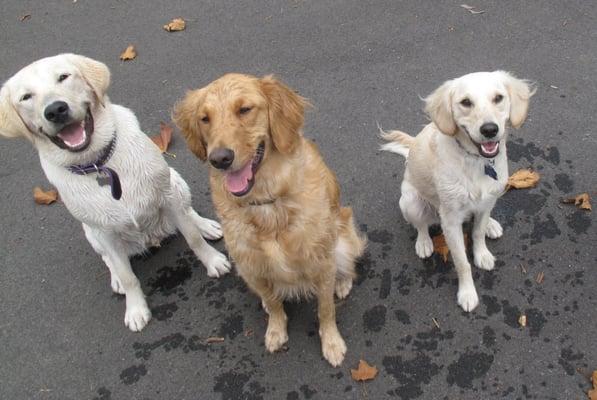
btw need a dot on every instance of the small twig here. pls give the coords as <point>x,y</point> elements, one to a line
<point>435,323</point>
<point>214,339</point>
<point>540,277</point>
<point>523,269</point>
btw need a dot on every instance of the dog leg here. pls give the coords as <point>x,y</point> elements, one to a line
<point>332,344</point>
<point>97,246</point>
<point>420,214</point>
<point>452,228</point>
<point>483,257</point>
<point>349,247</point>
<point>276,334</point>
<point>210,229</point>
<point>494,229</point>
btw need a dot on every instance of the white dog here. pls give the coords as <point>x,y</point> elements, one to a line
<point>109,174</point>
<point>457,166</point>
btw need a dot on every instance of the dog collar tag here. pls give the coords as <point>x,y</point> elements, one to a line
<point>490,171</point>
<point>102,180</point>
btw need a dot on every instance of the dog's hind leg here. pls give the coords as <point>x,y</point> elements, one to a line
<point>333,346</point>
<point>349,247</point>
<point>420,214</point>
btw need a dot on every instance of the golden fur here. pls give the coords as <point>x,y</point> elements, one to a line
<point>289,236</point>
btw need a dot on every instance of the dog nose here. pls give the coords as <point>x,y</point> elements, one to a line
<point>221,158</point>
<point>489,130</point>
<point>57,112</point>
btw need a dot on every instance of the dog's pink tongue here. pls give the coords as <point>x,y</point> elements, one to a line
<point>73,135</point>
<point>489,147</point>
<point>237,181</point>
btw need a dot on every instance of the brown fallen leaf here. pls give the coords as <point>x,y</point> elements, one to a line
<point>593,393</point>
<point>163,139</point>
<point>248,332</point>
<point>42,197</point>
<point>214,339</point>
<point>364,372</point>
<point>522,320</point>
<point>523,179</point>
<point>471,9</point>
<point>25,17</point>
<point>177,24</point>
<point>441,247</point>
<point>583,201</point>
<point>129,53</point>
<point>540,277</point>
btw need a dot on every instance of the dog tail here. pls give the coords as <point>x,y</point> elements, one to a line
<point>399,142</point>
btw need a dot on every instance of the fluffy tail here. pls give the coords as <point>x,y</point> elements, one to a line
<point>400,142</point>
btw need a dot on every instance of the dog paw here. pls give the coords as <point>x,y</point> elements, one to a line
<point>494,229</point>
<point>275,339</point>
<point>484,259</point>
<point>217,265</point>
<point>468,299</point>
<point>116,285</point>
<point>210,229</point>
<point>343,288</point>
<point>333,348</point>
<point>424,246</point>
<point>136,317</point>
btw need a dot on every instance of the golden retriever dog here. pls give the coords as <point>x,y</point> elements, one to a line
<point>278,202</point>
<point>457,166</point>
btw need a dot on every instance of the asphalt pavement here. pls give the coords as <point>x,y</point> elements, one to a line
<point>360,63</point>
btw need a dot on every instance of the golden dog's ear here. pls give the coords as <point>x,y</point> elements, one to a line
<point>438,105</point>
<point>95,73</point>
<point>520,92</point>
<point>11,124</point>
<point>286,113</point>
<point>185,117</point>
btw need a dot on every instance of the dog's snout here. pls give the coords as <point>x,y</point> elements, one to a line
<point>489,130</point>
<point>221,158</point>
<point>57,112</point>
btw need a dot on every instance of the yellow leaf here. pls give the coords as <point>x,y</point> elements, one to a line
<point>583,201</point>
<point>129,53</point>
<point>42,197</point>
<point>177,24</point>
<point>522,320</point>
<point>163,139</point>
<point>523,179</point>
<point>364,372</point>
<point>441,247</point>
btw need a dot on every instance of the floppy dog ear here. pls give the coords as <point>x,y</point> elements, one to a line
<point>95,73</point>
<point>185,117</point>
<point>438,105</point>
<point>11,124</point>
<point>520,92</point>
<point>286,113</point>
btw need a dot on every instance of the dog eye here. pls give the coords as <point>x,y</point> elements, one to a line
<point>466,103</point>
<point>205,119</point>
<point>26,96</point>
<point>498,98</point>
<point>63,77</point>
<point>244,110</point>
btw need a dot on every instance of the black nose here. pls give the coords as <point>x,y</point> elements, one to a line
<point>489,130</point>
<point>57,112</point>
<point>221,158</point>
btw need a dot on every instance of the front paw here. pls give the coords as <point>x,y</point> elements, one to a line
<point>343,287</point>
<point>210,229</point>
<point>484,259</point>
<point>136,317</point>
<point>217,264</point>
<point>275,338</point>
<point>333,348</point>
<point>467,298</point>
<point>424,246</point>
<point>494,229</point>
<point>116,285</point>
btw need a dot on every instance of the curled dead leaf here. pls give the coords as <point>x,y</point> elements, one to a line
<point>441,247</point>
<point>44,197</point>
<point>25,17</point>
<point>582,201</point>
<point>522,320</point>
<point>592,394</point>
<point>540,277</point>
<point>164,138</point>
<point>129,53</point>
<point>523,179</point>
<point>364,372</point>
<point>177,24</point>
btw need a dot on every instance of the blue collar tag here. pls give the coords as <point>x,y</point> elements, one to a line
<point>490,171</point>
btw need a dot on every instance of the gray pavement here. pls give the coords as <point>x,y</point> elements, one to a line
<point>61,329</point>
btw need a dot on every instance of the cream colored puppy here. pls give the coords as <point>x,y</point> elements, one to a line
<point>457,166</point>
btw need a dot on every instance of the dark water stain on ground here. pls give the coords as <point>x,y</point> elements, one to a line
<point>132,374</point>
<point>517,150</point>
<point>535,321</point>
<point>292,395</point>
<point>232,326</point>
<point>563,183</point>
<point>402,316</point>
<point>215,289</point>
<point>380,236</point>
<point>231,385</point>
<point>169,279</point>
<point>569,360</point>
<point>365,268</point>
<point>492,305</point>
<point>164,311</point>
<point>374,319</point>
<point>386,284</point>
<point>411,374</point>
<point>307,391</point>
<point>547,229</point>
<point>511,314</point>
<point>579,221</point>
<point>103,394</point>
<point>429,341</point>
<point>169,343</point>
<point>489,338</point>
<point>468,367</point>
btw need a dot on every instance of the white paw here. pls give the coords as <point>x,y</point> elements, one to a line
<point>136,317</point>
<point>494,229</point>
<point>210,229</point>
<point>484,259</point>
<point>216,264</point>
<point>343,288</point>
<point>467,298</point>
<point>333,349</point>
<point>116,285</point>
<point>275,339</point>
<point>424,246</point>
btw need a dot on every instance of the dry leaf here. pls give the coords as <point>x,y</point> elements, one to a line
<point>42,197</point>
<point>248,332</point>
<point>214,339</point>
<point>471,9</point>
<point>364,372</point>
<point>25,17</point>
<point>522,179</point>
<point>540,277</point>
<point>593,393</point>
<point>583,201</point>
<point>522,320</point>
<point>163,139</point>
<point>177,24</point>
<point>129,54</point>
<point>441,247</point>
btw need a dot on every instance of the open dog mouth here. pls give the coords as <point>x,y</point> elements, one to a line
<point>488,149</point>
<point>75,136</point>
<point>241,181</point>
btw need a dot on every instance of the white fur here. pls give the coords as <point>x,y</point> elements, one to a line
<point>445,182</point>
<point>155,201</point>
